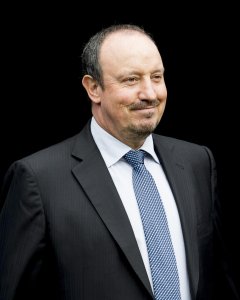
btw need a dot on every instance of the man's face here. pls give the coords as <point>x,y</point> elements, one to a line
<point>134,95</point>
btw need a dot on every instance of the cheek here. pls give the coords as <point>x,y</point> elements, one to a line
<point>162,93</point>
<point>113,108</point>
<point>125,98</point>
<point>116,102</point>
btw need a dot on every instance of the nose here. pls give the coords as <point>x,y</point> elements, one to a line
<point>147,90</point>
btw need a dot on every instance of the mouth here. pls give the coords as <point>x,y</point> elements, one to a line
<point>146,108</point>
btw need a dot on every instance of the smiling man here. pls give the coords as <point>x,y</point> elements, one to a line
<point>131,98</point>
<point>115,212</point>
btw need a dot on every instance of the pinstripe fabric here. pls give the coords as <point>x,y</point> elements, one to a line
<point>160,250</point>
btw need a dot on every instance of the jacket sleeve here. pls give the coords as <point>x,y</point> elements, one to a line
<point>22,227</point>
<point>225,283</point>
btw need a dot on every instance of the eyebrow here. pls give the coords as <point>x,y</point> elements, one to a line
<point>137,72</point>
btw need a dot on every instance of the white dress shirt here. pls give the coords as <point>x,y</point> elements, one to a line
<point>112,151</point>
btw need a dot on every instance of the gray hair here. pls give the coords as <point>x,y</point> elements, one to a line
<point>90,54</point>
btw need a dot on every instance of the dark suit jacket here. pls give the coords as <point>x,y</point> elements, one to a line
<point>65,233</point>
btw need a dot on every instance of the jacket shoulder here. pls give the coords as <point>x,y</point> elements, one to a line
<point>183,148</point>
<point>52,157</point>
<point>171,141</point>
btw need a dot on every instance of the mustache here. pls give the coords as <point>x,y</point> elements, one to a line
<point>144,104</point>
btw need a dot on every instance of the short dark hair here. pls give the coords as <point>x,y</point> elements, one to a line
<point>90,53</point>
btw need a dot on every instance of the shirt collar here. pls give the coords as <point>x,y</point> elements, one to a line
<point>112,149</point>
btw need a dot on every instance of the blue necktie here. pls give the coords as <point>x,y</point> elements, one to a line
<point>159,245</point>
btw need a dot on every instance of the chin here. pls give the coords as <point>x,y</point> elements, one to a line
<point>148,124</point>
<point>144,129</point>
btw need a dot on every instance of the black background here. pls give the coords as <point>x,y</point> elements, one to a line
<point>43,101</point>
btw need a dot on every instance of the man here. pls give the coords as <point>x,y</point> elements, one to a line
<point>71,226</point>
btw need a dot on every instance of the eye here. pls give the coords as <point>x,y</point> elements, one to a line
<point>157,77</point>
<point>131,80</point>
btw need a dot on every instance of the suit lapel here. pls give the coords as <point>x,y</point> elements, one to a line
<point>93,176</point>
<point>183,193</point>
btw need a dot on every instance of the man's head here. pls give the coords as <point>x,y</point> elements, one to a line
<point>123,76</point>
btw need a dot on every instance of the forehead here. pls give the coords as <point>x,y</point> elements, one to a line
<point>124,45</point>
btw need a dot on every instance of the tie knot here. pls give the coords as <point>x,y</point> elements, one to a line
<point>135,158</point>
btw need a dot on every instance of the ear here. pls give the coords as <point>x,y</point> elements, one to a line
<point>92,87</point>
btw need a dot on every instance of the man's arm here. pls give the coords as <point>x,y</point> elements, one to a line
<point>224,284</point>
<point>22,228</point>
